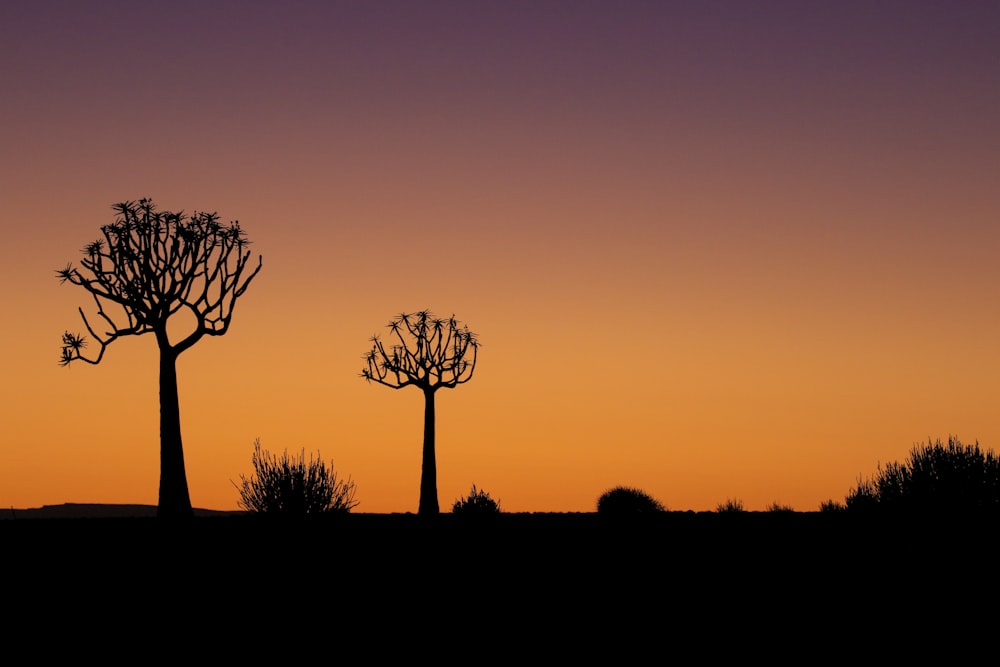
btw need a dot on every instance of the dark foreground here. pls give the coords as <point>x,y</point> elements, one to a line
<point>566,580</point>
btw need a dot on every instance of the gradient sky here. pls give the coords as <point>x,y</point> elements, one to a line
<point>712,250</point>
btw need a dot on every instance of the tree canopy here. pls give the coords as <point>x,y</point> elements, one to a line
<point>148,266</point>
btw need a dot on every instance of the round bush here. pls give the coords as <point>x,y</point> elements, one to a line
<point>626,500</point>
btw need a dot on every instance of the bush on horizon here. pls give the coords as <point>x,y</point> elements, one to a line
<point>731,505</point>
<point>477,503</point>
<point>627,500</point>
<point>938,477</point>
<point>294,486</point>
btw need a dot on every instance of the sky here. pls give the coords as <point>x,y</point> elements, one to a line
<point>711,250</point>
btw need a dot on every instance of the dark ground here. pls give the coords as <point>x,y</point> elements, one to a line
<point>563,581</point>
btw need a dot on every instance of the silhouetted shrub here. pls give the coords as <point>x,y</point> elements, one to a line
<point>294,486</point>
<point>477,503</point>
<point>831,506</point>
<point>777,507</point>
<point>938,477</point>
<point>626,500</point>
<point>731,505</point>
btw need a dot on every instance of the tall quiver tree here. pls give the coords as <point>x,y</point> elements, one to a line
<point>430,354</point>
<point>148,267</point>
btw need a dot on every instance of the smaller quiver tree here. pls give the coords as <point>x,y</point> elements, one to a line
<point>431,354</point>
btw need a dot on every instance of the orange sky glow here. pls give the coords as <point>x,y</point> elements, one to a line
<point>711,250</point>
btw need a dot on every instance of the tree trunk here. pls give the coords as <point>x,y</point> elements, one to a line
<point>174,498</point>
<point>428,473</point>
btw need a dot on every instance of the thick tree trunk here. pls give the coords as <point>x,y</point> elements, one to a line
<point>174,498</point>
<point>428,473</point>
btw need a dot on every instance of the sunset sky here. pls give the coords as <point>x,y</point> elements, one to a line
<point>713,250</point>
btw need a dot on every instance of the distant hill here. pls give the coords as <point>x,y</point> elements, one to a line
<point>95,511</point>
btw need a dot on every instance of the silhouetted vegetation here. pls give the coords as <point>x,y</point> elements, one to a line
<point>731,505</point>
<point>477,503</point>
<point>428,353</point>
<point>831,506</point>
<point>627,500</point>
<point>148,267</point>
<point>938,477</point>
<point>294,486</point>
<point>778,507</point>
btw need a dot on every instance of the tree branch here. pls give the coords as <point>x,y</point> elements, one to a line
<point>153,264</point>
<point>431,353</point>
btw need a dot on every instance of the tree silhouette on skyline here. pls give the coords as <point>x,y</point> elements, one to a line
<point>148,267</point>
<point>428,353</point>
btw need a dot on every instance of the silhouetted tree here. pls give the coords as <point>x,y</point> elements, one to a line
<point>938,477</point>
<point>147,267</point>
<point>294,486</point>
<point>430,354</point>
<point>627,500</point>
